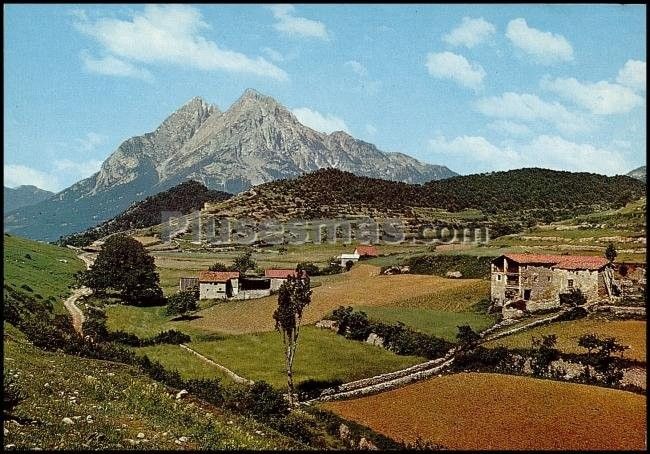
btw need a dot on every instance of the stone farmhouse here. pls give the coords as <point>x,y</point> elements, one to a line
<point>279,276</point>
<point>535,282</point>
<point>218,284</point>
<point>232,285</point>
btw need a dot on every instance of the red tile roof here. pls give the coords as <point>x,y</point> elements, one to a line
<point>567,262</point>
<point>217,276</point>
<point>280,273</point>
<point>367,250</point>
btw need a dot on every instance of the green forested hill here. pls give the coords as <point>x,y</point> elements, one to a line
<point>522,195</point>
<point>186,197</point>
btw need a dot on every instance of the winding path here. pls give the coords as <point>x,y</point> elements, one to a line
<point>70,303</point>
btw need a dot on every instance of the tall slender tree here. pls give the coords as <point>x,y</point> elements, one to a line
<point>293,296</point>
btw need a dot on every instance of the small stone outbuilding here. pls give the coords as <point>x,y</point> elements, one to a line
<point>218,284</point>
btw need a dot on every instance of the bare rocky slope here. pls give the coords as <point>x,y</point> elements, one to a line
<point>638,173</point>
<point>255,141</point>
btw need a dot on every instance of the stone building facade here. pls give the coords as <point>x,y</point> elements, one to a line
<point>534,282</point>
<point>218,284</point>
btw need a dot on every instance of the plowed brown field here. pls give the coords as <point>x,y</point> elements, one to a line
<point>492,411</point>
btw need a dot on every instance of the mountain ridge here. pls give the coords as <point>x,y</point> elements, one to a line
<point>22,196</point>
<point>256,140</point>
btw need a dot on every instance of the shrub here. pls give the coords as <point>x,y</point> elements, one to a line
<point>470,266</point>
<point>309,267</point>
<point>310,389</point>
<point>168,337</point>
<point>218,266</point>
<point>12,393</point>
<point>263,400</point>
<point>299,427</point>
<point>26,287</point>
<point>182,303</point>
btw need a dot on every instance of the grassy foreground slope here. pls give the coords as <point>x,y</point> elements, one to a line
<point>492,411</point>
<point>110,404</point>
<point>39,270</point>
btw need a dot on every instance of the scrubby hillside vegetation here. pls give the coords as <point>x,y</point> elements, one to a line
<point>522,197</point>
<point>186,197</point>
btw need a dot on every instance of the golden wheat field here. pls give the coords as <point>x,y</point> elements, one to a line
<point>361,286</point>
<point>628,332</point>
<point>492,411</point>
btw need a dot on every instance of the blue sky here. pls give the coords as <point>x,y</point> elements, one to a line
<point>473,87</point>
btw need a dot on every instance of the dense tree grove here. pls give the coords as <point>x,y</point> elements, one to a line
<point>185,198</point>
<point>123,265</point>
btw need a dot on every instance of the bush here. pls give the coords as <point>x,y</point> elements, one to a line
<point>218,266</point>
<point>310,389</point>
<point>168,337</point>
<point>310,268</point>
<point>12,393</point>
<point>299,427</point>
<point>206,389</point>
<point>182,303</point>
<point>470,266</point>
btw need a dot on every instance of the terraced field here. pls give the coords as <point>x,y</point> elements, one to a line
<point>628,332</point>
<point>491,411</point>
<point>362,286</point>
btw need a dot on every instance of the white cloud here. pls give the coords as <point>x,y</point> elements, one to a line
<point>509,127</point>
<point>324,123</point>
<point>169,34</point>
<point>293,25</point>
<point>111,66</point>
<point>18,175</point>
<point>551,152</point>
<point>91,141</point>
<point>357,67</point>
<point>545,47</point>
<point>633,75</point>
<point>602,98</point>
<point>77,169</point>
<point>447,65</point>
<point>273,54</point>
<point>473,148</point>
<point>530,108</point>
<point>470,32</point>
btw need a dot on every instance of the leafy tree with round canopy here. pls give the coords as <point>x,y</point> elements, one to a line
<point>125,266</point>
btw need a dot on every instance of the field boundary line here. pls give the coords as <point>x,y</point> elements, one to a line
<point>230,373</point>
<point>402,377</point>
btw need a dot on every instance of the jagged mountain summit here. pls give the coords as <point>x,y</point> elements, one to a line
<point>255,141</point>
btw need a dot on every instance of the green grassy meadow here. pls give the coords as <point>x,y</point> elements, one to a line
<point>321,355</point>
<point>40,270</point>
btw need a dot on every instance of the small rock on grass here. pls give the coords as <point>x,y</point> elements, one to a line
<point>67,421</point>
